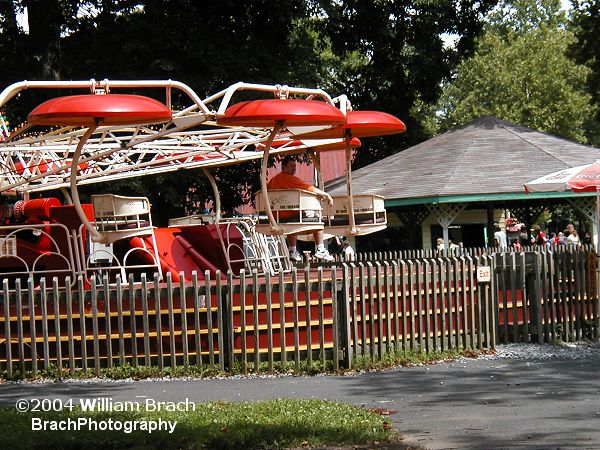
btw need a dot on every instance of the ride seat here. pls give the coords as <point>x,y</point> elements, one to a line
<point>118,217</point>
<point>298,210</point>
<point>369,215</point>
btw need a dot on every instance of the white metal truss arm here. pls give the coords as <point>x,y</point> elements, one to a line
<point>49,168</point>
<point>278,90</point>
<point>105,84</point>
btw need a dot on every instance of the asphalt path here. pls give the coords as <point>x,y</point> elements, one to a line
<point>483,404</point>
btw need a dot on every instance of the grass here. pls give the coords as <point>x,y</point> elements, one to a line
<point>410,358</point>
<point>271,424</point>
<point>127,371</point>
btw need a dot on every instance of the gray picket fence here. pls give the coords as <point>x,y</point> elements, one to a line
<point>547,296</point>
<point>311,317</point>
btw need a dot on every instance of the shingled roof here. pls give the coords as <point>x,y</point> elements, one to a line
<point>487,159</point>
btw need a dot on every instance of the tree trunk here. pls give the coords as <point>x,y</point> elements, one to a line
<point>45,18</point>
<point>9,22</point>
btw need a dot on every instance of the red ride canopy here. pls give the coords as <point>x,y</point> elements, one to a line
<point>113,109</point>
<point>294,112</point>
<point>359,124</point>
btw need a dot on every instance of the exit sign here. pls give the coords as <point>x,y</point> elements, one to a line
<point>484,274</point>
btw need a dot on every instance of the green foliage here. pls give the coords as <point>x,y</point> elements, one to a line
<point>316,366</point>
<point>128,371</point>
<point>586,50</point>
<point>399,57</point>
<point>410,358</point>
<point>524,16</point>
<point>274,424</point>
<point>520,72</point>
<point>386,55</point>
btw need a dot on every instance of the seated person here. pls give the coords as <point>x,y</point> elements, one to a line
<point>286,180</point>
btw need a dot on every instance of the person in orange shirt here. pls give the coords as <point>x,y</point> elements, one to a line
<point>287,180</point>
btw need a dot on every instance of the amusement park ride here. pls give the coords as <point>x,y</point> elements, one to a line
<point>99,135</point>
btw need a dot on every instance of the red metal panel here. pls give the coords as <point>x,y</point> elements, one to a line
<point>363,124</point>
<point>294,112</point>
<point>113,109</point>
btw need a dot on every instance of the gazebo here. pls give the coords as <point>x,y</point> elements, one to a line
<point>481,166</point>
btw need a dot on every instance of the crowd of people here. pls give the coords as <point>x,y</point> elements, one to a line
<point>454,248</point>
<point>569,236</point>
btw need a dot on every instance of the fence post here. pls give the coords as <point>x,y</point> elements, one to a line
<point>371,294</point>
<point>488,295</point>
<point>20,324</point>
<point>121,327</point>
<point>493,304</point>
<point>145,318</point>
<point>535,302</point>
<point>57,315</point>
<point>44,311</point>
<point>596,299</point>
<point>221,301</point>
<point>196,303</point>
<point>282,321</point>
<point>7,334</point>
<point>395,305</point>
<point>132,320</point>
<point>243,330</point>
<point>172,350</point>
<point>32,326</point>
<point>95,332</point>
<point>229,336</point>
<point>342,326</point>
<point>71,340</point>
<point>107,324</point>
<point>525,332</point>
<point>388,319</point>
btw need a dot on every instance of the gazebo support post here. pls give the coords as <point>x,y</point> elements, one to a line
<point>528,221</point>
<point>490,224</point>
<point>589,208</point>
<point>412,217</point>
<point>446,214</point>
<point>446,236</point>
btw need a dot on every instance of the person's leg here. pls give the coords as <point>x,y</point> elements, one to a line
<point>319,235</point>
<point>292,240</point>
<point>322,252</point>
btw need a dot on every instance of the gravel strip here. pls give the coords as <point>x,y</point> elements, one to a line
<point>570,350</point>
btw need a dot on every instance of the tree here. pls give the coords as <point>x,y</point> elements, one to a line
<point>520,72</point>
<point>586,50</point>
<point>385,55</point>
<point>207,44</point>
<point>399,56</point>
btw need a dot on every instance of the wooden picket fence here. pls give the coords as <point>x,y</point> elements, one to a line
<point>311,317</point>
<point>474,252</point>
<point>215,323</point>
<point>428,304</point>
<point>547,296</point>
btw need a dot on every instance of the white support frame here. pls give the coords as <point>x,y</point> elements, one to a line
<point>446,214</point>
<point>34,163</point>
<point>72,156</point>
